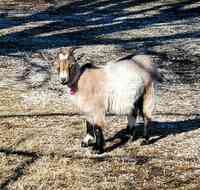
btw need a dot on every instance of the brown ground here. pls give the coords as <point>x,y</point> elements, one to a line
<point>40,131</point>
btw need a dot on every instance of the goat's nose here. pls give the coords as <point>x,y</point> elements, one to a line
<point>62,80</point>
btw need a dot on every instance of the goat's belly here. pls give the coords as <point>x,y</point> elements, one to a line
<point>122,102</point>
<point>122,109</point>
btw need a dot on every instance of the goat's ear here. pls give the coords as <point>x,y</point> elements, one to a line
<point>80,57</point>
<point>48,59</point>
<point>71,50</point>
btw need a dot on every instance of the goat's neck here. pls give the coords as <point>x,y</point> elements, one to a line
<point>79,70</point>
<point>73,84</point>
<point>74,77</point>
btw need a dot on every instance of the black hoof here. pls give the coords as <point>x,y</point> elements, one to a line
<point>134,138</point>
<point>145,142</point>
<point>84,145</point>
<point>99,151</point>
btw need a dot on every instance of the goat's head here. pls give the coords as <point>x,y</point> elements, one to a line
<point>66,66</point>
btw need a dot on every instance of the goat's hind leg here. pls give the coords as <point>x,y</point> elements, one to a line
<point>132,118</point>
<point>131,128</point>
<point>147,109</point>
<point>147,122</point>
<point>89,139</point>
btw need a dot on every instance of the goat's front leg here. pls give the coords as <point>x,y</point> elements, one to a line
<point>89,139</point>
<point>100,141</point>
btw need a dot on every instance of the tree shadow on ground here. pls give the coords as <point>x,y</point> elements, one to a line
<point>19,171</point>
<point>35,74</point>
<point>79,23</point>
<point>159,130</point>
<point>84,22</point>
<point>31,157</point>
<point>31,115</point>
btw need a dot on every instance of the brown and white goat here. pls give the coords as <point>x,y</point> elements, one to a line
<point>123,87</point>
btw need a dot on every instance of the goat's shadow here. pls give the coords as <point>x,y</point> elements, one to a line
<point>158,131</point>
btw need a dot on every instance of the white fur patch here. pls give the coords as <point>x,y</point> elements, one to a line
<point>124,87</point>
<point>88,138</point>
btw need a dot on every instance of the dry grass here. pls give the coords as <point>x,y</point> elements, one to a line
<point>40,131</point>
<point>44,153</point>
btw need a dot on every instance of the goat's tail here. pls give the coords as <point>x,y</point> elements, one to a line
<point>145,62</point>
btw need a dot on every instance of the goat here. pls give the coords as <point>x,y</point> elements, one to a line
<point>122,87</point>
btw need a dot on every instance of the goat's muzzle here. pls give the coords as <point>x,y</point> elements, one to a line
<point>63,81</point>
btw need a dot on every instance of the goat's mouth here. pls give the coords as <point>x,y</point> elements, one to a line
<point>67,83</point>
<point>63,82</point>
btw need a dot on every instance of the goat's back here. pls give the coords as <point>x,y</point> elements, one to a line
<point>146,65</point>
<point>115,87</point>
